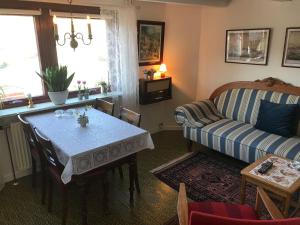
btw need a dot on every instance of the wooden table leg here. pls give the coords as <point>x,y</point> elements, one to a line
<point>243,190</point>
<point>287,206</point>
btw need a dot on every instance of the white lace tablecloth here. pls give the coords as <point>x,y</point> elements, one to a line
<point>104,140</point>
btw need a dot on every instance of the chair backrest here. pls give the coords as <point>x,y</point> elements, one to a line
<point>104,106</point>
<point>199,218</point>
<point>48,149</point>
<point>182,206</point>
<point>29,133</point>
<point>130,117</point>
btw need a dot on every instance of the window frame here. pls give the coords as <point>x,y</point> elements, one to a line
<point>44,32</point>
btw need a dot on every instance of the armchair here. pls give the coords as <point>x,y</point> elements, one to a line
<point>217,213</point>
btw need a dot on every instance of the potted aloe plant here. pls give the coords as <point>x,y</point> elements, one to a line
<point>57,80</point>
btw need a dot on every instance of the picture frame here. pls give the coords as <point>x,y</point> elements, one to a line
<point>150,42</point>
<point>248,46</point>
<point>291,51</point>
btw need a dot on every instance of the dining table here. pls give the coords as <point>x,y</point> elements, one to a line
<point>105,140</point>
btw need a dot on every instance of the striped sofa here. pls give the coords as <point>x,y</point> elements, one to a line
<point>226,121</point>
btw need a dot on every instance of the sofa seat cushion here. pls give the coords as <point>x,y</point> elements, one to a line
<point>224,210</point>
<point>242,141</point>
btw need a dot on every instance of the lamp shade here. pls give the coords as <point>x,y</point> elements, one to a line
<point>163,68</point>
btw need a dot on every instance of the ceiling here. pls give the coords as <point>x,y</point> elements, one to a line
<point>197,2</point>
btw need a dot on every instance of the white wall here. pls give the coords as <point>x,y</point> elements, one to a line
<point>213,71</point>
<point>181,51</point>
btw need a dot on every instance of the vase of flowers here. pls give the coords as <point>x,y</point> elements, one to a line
<point>83,120</point>
<point>79,94</point>
<point>86,91</point>
<point>149,74</point>
<point>57,80</point>
<point>104,87</point>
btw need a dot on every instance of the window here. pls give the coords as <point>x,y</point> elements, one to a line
<point>19,58</point>
<point>89,62</point>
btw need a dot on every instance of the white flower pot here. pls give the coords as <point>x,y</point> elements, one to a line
<point>58,98</point>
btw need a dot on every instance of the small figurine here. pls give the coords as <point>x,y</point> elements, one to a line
<point>30,102</point>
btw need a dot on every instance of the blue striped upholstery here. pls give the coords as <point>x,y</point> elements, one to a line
<point>197,114</point>
<point>204,122</point>
<point>242,141</point>
<point>243,104</point>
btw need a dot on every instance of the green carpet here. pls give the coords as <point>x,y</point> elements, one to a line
<point>21,205</point>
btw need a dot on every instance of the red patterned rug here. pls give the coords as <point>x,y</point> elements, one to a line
<point>207,177</point>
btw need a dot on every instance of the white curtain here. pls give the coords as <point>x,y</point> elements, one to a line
<point>122,53</point>
<point>129,56</point>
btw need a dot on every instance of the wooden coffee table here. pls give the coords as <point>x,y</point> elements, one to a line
<point>282,184</point>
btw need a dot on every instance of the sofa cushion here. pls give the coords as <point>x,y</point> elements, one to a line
<point>281,119</point>
<point>243,104</point>
<point>224,210</point>
<point>243,141</point>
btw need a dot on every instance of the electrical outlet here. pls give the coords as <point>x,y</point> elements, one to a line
<point>161,125</point>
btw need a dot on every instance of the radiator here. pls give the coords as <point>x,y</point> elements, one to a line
<point>19,147</point>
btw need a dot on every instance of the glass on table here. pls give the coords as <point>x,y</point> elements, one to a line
<point>59,113</point>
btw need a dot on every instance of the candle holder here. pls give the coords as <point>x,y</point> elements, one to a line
<point>72,35</point>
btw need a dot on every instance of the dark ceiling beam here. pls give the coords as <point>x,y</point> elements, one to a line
<point>8,4</point>
<point>194,2</point>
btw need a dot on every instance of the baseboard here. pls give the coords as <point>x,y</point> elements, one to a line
<point>19,174</point>
<point>172,127</point>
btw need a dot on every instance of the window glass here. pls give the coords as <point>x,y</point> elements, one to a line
<point>89,62</point>
<point>19,59</point>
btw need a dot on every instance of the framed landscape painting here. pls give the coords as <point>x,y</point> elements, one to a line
<point>247,46</point>
<point>150,42</point>
<point>291,54</point>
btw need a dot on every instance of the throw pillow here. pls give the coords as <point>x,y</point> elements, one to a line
<point>280,119</point>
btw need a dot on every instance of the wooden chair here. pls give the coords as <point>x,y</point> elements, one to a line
<point>55,169</point>
<point>36,155</point>
<point>134,119</point>
<point>130,117</point>
<point>104,106</point>
<point>217,213</point>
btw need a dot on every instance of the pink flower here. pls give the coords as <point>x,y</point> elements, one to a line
<point>84,82</point>
<point>78,82</point>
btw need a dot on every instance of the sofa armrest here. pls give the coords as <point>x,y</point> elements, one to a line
<point>197,114</point>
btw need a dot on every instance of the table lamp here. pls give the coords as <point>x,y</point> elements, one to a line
<point>163,70</point>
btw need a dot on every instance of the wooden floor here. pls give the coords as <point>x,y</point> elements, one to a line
<point>156,204</point>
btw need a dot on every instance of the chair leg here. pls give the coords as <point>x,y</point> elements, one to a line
<point>44,185</point>
<point>64,205</point>
<point>136,178</point>
<point>121,172</point>
<point>50,190</point>
<point>33,172</point>
<point>131,180</point>
<point>189,145</point>
<point>84,191</point>
<point>105,194</point>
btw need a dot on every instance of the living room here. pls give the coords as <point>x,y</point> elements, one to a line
<point>196,45</point>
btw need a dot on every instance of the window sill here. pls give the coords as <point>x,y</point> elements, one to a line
<point>11,112</point>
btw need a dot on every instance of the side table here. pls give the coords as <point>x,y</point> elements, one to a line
<point>281,180</point>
